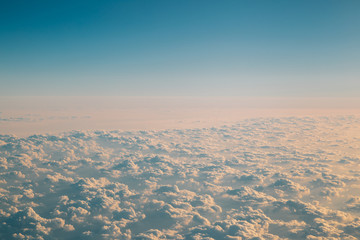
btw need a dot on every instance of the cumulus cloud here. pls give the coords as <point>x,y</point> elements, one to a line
<point>285,178</point>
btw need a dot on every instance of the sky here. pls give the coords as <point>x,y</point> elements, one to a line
<point>180,48</point>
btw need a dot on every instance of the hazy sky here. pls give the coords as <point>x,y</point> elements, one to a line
<point>178,47</point>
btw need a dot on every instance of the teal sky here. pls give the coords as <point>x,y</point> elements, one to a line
<point>180,48</point>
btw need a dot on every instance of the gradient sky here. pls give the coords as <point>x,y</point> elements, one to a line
<point>179,47</point>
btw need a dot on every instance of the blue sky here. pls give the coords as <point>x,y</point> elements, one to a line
<point>180,48</point>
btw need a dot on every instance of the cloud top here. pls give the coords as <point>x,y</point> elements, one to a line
<point>265,178</point>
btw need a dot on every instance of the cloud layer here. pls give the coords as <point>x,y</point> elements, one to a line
<point>272,178</point>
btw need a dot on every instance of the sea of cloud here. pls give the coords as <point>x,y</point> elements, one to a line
<point>262,178</point>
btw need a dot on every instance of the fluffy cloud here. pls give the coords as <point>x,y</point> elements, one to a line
<point>259,179</point>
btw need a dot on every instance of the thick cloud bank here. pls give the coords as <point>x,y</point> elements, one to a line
<point>285,178</point>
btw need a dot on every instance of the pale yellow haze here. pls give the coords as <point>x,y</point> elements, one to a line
<point>24,116</point>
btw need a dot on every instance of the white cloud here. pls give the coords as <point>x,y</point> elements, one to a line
<point>261,178</point>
